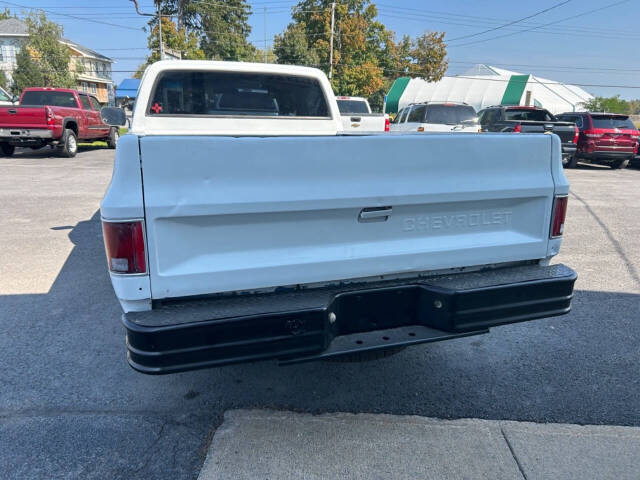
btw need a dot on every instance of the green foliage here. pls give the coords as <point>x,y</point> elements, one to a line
<point>292,48</point>
<point>608,104</point>
<point>3,80</point>
<point>221,26</point>
<point>178,40</point>
<point>43,61</point>
<point>6,14</point>
<point>366,56</point>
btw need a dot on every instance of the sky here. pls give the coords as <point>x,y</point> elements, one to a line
<point>600,50</point>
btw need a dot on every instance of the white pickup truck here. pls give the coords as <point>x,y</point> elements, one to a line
<point>356,116</point>
<point>241,225</point>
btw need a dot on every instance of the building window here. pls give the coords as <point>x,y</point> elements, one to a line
<point>94,88</point>
<point>85,86</point>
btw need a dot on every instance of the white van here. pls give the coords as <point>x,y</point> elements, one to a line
<point>437,117</point>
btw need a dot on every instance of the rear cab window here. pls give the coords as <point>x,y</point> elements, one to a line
<point>54,99</point>
<point>236,94</point>
<point>528,114</point>
<point>577,119</point>
<point>352,106</point>
<point>613,121</point>
<point>451,114</point>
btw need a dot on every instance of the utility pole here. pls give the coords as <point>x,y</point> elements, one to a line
<point>160,32</point>
<point>158,15</point>
<point>265,34</point>
<point>333,18</point>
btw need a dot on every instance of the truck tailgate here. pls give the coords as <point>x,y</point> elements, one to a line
<point>26,117</point>
<point>363,122</point>
<point>565,130</point>
<point>227,214</point>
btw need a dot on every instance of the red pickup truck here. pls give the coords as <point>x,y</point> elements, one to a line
<point>53,116</point>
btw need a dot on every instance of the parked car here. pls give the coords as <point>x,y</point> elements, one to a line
<point>356,116</point>
<point>436,117</point>
<point>53,116</point>
<point>519,119</point>
<point>605,138</point>
<point>276,237</point>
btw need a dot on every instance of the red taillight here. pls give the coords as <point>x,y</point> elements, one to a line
<point>576,135</point>
<point>124,244</point>
<point>517,129</point>
<point>387,124</point>
<point>594,133</point>
<point>49,115</point>
<point>558,215</point>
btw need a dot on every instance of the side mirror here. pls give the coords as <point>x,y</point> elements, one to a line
<point>113,116</point>
<point>15,99</point>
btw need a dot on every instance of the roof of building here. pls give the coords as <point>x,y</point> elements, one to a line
<point>13,26</point>
<point>486,85</point>
<point>128,88</point>
<point>87,52</point>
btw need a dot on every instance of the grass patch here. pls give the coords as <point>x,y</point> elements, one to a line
<point>102,143</point>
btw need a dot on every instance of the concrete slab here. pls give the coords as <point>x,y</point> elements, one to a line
<point>559,452</point>
<point>258,444</point>
<point>253,444</point>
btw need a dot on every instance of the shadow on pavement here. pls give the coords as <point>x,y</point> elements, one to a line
<point>64,355</point>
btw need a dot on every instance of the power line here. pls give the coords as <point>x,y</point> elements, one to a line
<point>545,25</point>
<point>511,23</point>
<point>70,16</point>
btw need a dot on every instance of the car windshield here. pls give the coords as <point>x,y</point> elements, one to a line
<point>228,93</point>
<point>528,114</point>
<point>451,114</point>
<point>352,106</point>
<point>55,99</point>
<point>612,121</point>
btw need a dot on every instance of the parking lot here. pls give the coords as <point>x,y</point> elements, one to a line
<point>71,407</point>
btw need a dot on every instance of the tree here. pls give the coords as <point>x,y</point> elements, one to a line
<point>6,14</point>
<point>428,56</point>
<point>178,40</point>
<point>222,26</point>
<point>366,56</point>
<point>608,104</point>
<point>43,61</point>
<point>291,47</point>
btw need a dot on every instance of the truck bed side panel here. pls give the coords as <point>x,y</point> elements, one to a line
<point>227,214</point>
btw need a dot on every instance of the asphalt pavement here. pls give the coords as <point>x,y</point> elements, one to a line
<point>70,407</point>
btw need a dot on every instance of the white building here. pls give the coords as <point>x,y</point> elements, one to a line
<point>484,85</point>
<point>95,76</point>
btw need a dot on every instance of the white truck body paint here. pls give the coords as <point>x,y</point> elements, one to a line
<point>225,211</point>
<point>143,124</point>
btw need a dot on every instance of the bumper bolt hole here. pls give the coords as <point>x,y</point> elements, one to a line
<point>359,342</point>
<point>411,334</point>
<point>385,338</point>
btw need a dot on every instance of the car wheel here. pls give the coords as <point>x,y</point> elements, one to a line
<point>69,146</point>
<point>112,140</point>
<point>7,150</point>
<point>619,164</point>
<point>571,162</point>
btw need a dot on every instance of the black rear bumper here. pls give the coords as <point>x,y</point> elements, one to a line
<point>569,150</point>
<point>310,324</point>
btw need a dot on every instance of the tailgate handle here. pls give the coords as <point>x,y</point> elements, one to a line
<point>12,111</point>
<point>374,214</point>
<point>356,119</point>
